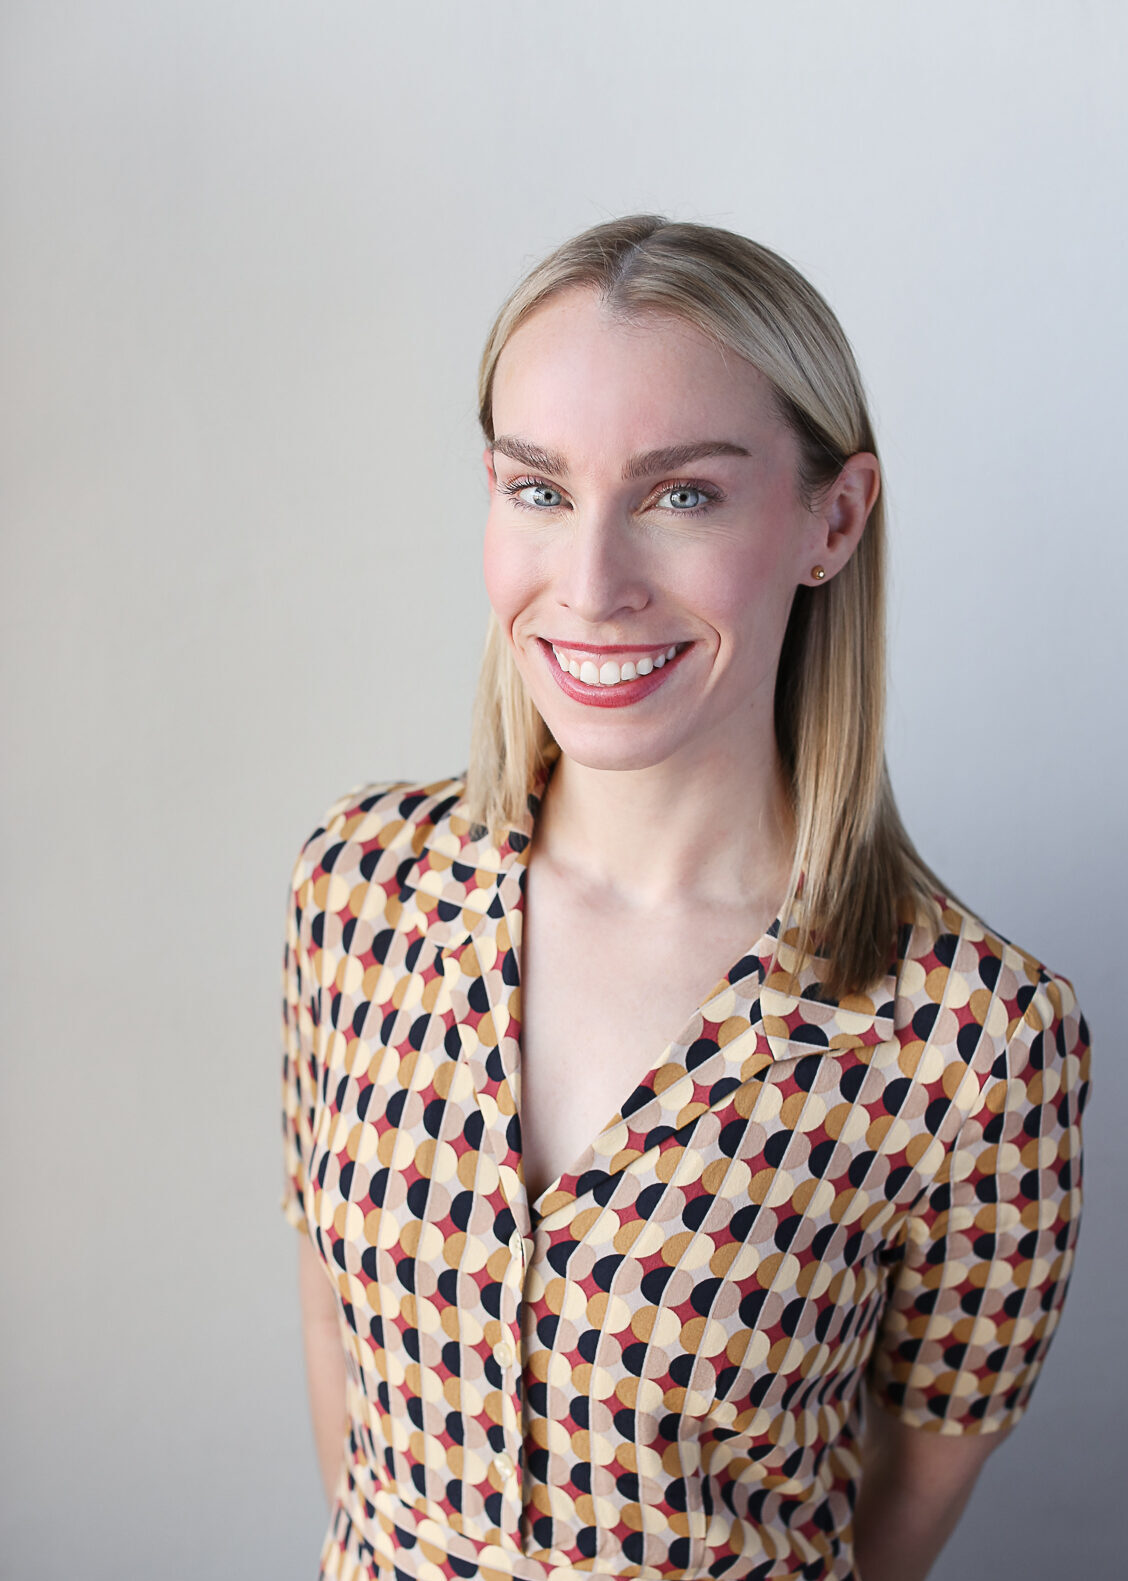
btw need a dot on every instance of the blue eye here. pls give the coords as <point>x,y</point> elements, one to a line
<point>686,498</point>
<point>537,495</point>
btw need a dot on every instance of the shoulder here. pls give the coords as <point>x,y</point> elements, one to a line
<point>368,832</point>
<point>963,987</point>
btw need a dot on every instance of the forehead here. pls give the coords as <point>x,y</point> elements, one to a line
<point>579,376</point>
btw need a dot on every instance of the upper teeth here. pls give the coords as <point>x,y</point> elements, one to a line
<point>610,673</point>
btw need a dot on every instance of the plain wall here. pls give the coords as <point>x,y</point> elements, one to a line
<point>250,254</point>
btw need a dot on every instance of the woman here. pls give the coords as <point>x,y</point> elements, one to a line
<point>621,1257</point>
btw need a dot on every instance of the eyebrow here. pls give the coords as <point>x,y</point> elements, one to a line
<point>650,462</point>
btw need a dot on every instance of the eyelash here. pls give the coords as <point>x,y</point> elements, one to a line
<point>712,495</point>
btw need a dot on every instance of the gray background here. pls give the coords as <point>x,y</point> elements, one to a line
<point>251,251</point>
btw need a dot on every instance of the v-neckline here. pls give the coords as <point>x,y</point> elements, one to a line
<point>755,958</point>
<point>770,1016</point>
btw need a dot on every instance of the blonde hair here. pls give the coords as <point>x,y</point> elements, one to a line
<point>859,872</point>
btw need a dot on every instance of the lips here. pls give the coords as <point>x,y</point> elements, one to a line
<point>598,668</point>
<point>611,676</point>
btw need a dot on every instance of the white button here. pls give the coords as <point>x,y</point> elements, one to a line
<point>503,1465</point>
<point>504,1354</point>
<point>517,1245</point>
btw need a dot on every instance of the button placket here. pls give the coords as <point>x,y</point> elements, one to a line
<point>524,1248</point>
<point>506,1464</point>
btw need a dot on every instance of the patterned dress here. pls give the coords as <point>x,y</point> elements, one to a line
<point>655,1368</point>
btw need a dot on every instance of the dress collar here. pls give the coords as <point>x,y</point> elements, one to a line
<point>756,1017</point>
<point>471,844</point>
<point>792,1003</point>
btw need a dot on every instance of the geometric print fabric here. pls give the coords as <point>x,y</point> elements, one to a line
<point>655,1368</point>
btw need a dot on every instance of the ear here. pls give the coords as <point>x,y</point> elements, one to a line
<point>843,511</point>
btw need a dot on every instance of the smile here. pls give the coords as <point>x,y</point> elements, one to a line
<point>611,677</point>
<point>612,672</point>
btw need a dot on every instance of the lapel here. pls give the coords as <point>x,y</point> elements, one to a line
<point>755,1026</point>
<point>797,1018</point>
<point>757,1018</point>
<point>479,958</point>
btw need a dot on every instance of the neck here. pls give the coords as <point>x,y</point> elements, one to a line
<point>717,831</point>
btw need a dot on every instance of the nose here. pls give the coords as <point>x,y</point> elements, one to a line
<point>601,572</point>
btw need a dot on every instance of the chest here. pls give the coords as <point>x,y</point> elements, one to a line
<point>603,994</point>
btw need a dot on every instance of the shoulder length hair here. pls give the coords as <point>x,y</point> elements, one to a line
<point>859,873</point>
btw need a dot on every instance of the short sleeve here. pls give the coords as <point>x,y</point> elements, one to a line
<point>977,1295</point>
<point>299,1066</point>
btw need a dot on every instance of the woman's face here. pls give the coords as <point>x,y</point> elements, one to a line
<point>645,534</point>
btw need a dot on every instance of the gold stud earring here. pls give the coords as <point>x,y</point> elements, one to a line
<point>817,572</point>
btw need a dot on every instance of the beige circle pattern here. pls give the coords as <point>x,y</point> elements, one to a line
<point>655,1369</point>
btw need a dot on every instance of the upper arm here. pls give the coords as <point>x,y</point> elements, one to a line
<point>325,1363</point>
<point>943,1464</point>
<point>312,902</point>
<point>315,1292</point>
<point>977,1294</point>
<point>299,1070</point>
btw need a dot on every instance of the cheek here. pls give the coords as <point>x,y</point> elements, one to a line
<point>510,573</point>
<point>749,590</point>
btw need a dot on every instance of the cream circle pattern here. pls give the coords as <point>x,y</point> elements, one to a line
<point>655,1367</point>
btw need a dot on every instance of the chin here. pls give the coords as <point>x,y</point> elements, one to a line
<point>611,750</point>
<point>613,763</point>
